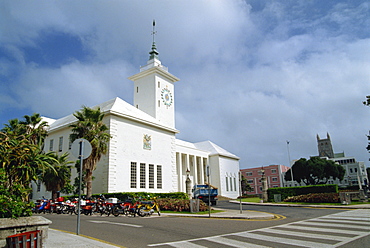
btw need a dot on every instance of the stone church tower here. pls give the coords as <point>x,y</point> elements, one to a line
<point>324,147</point>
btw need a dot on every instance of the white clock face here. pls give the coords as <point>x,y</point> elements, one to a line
<point>166,96</point>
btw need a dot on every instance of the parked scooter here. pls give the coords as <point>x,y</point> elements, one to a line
<point>44,206</point>
<point>147,208</point>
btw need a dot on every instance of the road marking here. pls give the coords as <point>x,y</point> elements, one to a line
<point>307,233</point>
<point>333,225</point>
<point>113,223</point>
<point>286,241</point>
<point>231,242</point>
<point>295,227</point>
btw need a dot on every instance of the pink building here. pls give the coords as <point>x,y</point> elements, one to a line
<point>273,173</point>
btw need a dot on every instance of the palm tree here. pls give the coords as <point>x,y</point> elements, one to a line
<point>35,128</point>
<point>21,160</point>
<point>57,178</point>
<point>91,127</point>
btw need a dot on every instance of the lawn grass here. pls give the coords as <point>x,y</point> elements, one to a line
<point>251,199</point>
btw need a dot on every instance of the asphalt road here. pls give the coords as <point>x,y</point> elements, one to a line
<point>154,230</point>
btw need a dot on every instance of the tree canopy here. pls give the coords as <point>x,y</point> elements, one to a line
<point>22,160</point>
<point>244,185</point>
<point>58,178</point>
<point>315,171</point>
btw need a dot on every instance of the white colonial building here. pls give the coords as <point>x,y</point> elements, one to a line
<point>144,153</point>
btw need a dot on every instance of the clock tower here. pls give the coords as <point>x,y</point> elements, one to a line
<point>154,89</point>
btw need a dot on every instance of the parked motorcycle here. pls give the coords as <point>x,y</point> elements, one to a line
<point>44,206</point>
<point>147,208</point>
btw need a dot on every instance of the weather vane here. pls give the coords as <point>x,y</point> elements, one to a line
<point>154,32</point>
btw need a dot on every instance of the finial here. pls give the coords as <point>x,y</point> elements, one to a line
<point>154,32</point>
<point>153,53</point>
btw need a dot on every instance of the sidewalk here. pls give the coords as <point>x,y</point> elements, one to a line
<point>63,239</point>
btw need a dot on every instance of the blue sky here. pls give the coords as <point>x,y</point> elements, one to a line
<point>254,74</point>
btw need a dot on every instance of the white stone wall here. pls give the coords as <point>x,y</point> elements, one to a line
<point>126,146</point>
<point>229,170</point>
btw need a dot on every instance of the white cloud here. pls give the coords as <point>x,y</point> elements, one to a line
<point>61,91</point>
<point>253,73</point>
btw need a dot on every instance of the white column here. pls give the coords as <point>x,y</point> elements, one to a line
<point>185,166</point>
<point>201,171</point>
<point>195,161</point>
<point>179,172</point>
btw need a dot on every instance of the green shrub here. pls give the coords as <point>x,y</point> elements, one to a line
<point>315,198</point>
<point>179,205</point>
<point>12,204</point>
<point>122,196</point>
<point>301,190</point>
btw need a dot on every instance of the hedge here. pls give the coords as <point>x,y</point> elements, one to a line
<point>301,190</point>
<point>138,195</point>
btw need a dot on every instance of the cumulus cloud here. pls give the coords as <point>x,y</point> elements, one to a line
<point>254,74</point>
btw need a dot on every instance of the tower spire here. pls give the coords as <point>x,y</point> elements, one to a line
<point>153,53</point>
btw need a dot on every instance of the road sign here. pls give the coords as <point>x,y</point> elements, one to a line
<point>81,147</point>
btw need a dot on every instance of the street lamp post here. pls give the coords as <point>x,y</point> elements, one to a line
<point>188,183</point>
<point>264,186</point>
<point>241,192</point>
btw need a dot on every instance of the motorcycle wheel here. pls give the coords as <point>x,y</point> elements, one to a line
<point>65,210</point>
<point>141,212</point>
<point>115,211</point>
<point>76,211</point>
<point>126,210</point>
<point>101,210</point>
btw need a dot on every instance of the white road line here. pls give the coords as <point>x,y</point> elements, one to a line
<point>114,223</point>
<point>302,243</point>
<point>341,219</point>
<point>317,229</point>
<point>182,244</point>
<point>306,235</point>
<point>314,223</point>
<point>234,243</point>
